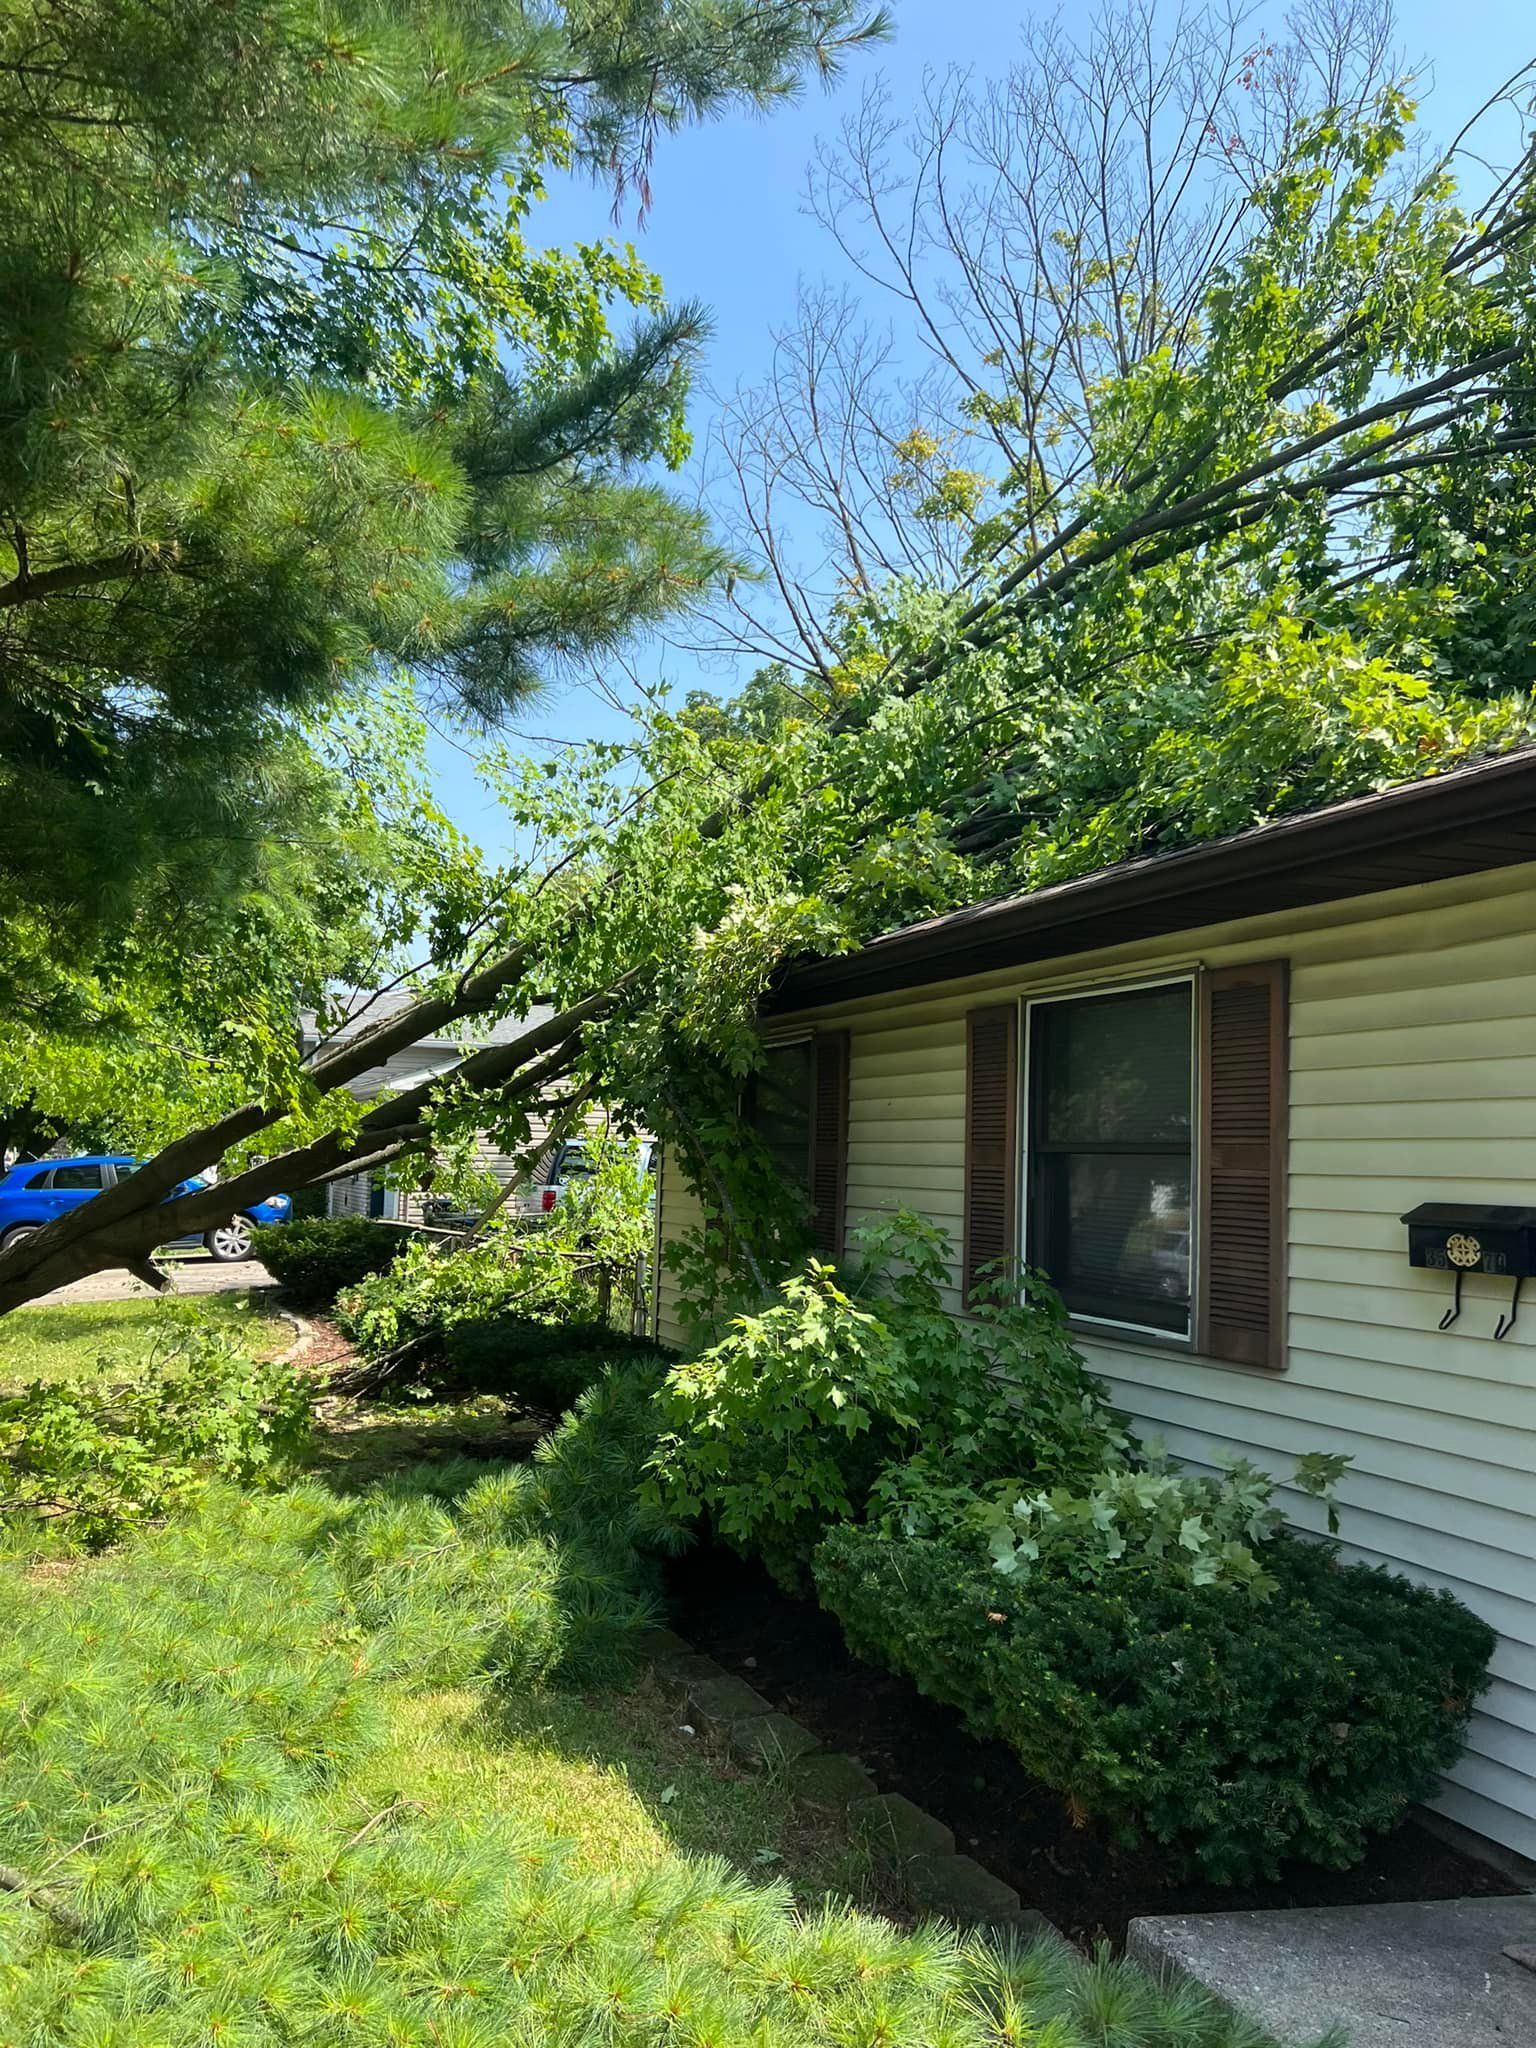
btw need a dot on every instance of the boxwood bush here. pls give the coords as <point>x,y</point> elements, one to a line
<point>1237,1733</point>
<point>544,1365</point>
<point>314,1257</point>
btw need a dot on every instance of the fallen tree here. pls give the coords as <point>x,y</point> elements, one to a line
<point>1258,596</point>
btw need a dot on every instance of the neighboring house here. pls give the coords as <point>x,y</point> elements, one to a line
<point>364,1194</point>
<point>1201,1091</point>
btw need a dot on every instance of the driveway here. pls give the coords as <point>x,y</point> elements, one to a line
<point>195,1273</point>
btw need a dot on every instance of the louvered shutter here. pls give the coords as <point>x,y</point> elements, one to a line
<point>829,1141</point>
<point>1244,1100</point>
<point>991,1127</point>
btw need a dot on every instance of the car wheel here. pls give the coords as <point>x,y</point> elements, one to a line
<point>15,1236</point>
<point>230,1241</point>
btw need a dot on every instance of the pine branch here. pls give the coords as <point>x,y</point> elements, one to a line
<point>29,587</point>
<point>17,1881</point>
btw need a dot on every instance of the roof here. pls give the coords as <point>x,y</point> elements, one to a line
<point>1467,820</point>
<point>369,1008</point>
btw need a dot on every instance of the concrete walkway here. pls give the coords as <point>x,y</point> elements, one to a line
<point>1437,1975</point>
<point>193,1273</point>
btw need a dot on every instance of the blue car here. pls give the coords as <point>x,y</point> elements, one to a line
<point>34,1193</point>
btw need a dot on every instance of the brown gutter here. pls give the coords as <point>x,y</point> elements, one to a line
<point>1471,819</point>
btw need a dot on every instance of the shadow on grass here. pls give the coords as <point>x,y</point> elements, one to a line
<point>360,1443</point>
<point>623,1775</point>
<point>614,1767</point>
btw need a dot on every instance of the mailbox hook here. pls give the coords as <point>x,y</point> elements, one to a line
<point>1505,1324</point>
<point>1455,1308</point>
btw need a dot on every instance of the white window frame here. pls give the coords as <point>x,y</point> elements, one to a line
<point>1088,992</point>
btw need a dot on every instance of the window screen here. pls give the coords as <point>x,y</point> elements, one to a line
<point>1110,1154</point>
<point>778,1108</point>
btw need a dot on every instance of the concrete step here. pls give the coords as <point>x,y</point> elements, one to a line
<point>1433,1975</point>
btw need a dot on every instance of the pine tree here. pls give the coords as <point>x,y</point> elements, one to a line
<point>286,393</point>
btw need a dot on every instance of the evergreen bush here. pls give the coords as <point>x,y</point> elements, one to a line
<point>197,1843</point>
<point>313,1258</point>
<point>543,1365</point>
<point>1236,1732</point>
<point>1148,1640</point>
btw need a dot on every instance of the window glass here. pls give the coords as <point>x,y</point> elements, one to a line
<point>574,1162</point>
<point>38,1180</point>
<point>77,1177</point>
<point>778,1108</point>
<point>1110,1154</point>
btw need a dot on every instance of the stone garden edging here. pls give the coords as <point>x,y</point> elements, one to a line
<point>938,1880</point>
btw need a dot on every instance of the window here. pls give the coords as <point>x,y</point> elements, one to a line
<point>77,1177</point>
<point>779,1105</point>
<point>1156,1194</point>
<point>797,1102</point>
<point>1110,1153</point>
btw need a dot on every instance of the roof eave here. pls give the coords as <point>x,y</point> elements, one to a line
<point>1466,821</point>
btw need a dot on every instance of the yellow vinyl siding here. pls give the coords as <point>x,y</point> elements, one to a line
<point>678,1210</point>
<point>1413,1077</point>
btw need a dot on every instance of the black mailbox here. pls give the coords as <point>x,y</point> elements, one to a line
<point>1474,1237</point>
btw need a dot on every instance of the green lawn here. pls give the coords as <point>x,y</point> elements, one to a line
<point>615,1775</point>
<point>83,1340</point>
<point>363,1762</point>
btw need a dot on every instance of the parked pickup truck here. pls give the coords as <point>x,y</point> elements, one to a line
<point>38,1190</point>
<point>572,1162</point>
<point>535,1198</point>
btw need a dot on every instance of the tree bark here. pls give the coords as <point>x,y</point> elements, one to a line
<point>122,1226</point>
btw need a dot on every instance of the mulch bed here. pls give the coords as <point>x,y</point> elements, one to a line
<point>1018,1828</point>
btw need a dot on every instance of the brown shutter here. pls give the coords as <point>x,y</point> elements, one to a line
<point>1244,1101</point>
<point>991,1152</point>
<point>829,1141</point>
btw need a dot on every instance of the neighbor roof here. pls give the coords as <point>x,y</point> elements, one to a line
<point>372,1007</point>
<point>1466,820</point>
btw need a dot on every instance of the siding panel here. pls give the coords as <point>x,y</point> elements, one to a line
<point>1413,1077</point>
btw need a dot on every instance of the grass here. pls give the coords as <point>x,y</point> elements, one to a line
<point>358,1443</point>
<point>345,1764</point>
<point>88,1340</point>
<point>230,1823</point>
<point>615,1774</point>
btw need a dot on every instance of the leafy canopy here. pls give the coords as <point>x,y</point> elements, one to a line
<point>1278,577</point>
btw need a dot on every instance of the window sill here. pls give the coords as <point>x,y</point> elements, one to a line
<point>1131,1340</point>
<point>1173,1347</point>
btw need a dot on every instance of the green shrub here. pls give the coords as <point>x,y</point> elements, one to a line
<point>314,1257</point>
<point>1235,1732</point>
<point>451,1595</point>
<point>543,1365</point>
<point>788,1423</point>
<point>426,1291</point>
<point>590,1473</point>
<point>1208,1529</point>
<point>561,1272</point>
<point>101,1456</point>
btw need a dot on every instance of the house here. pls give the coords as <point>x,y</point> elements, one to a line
<point>1201,1091</point>
<point>365,1194</point>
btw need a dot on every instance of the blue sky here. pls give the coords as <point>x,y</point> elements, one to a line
<point>727,227</point>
